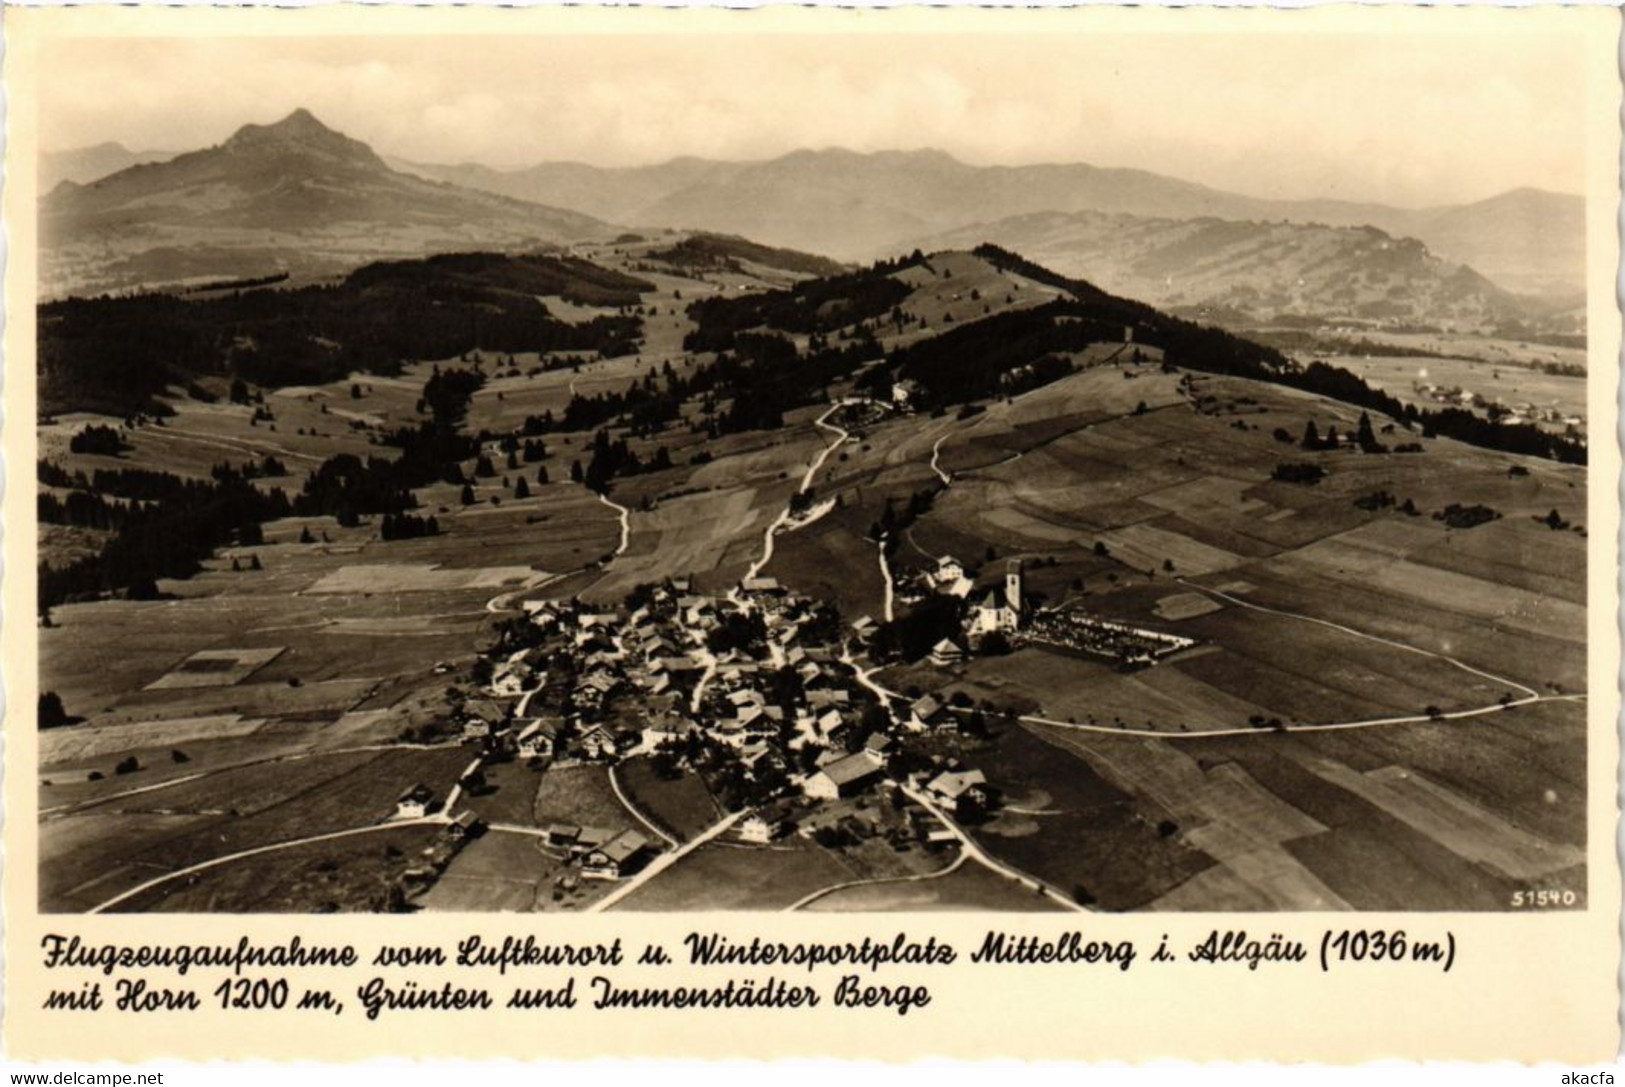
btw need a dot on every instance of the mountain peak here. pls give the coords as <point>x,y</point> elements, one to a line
<point>301,122</point>
<point>301,133</point>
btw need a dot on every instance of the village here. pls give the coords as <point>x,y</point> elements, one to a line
<point>758,691</point>
<point>762,693</point>
<point>1524,411</point>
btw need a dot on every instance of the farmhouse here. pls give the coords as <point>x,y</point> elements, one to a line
<point>511,679</point>
<point>562,834</point>
<point>763,825</point>
<point>598,742</point>
<point>879,745</point>
<point>414,802</point>
<point>964,786</point>
<point>466,825</point>
<point>538,739</point>
<point>926,713</point>
<point>481,718</point>
<point>949,570</point>
<point>616,857</point>
<point>844,777</point>
<point>946,652</point>
<point>826,697</point>
<point>669,729</point>
<point>588,839</point>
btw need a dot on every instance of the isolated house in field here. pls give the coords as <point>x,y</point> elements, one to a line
<point>904,393</point>
<point>415,802</point>
<point>616,857</point>
<point>844,777</point>
<point>926,713</point>
<point>467,825</point>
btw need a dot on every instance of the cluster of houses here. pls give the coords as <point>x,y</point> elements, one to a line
<point>603,854</point>
<point>1525,412</point>
<point>756,681</point>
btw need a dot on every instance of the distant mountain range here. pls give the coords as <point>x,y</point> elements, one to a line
<point>300,198</point>
<point>1253,272</point>
<point>859,206</point>
<point>293,196</point>
<point>83,165</point>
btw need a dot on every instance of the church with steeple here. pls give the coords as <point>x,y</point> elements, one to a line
<point>1002,613</point>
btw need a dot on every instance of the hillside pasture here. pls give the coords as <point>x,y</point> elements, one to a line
<point>91,857</point>
<point>969,887</point>
<point>506,872</point>
<point>216,668</point>
<point>832,562</point>
<point>682,806</point>
<point>723,876</point>
<point>1065,824</point>
<point>342,875</point>
<point>581,795</point>
<point>281,802</point>
<point>509,796</point>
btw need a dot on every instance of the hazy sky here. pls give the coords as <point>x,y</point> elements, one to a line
<point>1414,120</point>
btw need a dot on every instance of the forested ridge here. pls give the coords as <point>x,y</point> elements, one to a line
<point>116,355</point>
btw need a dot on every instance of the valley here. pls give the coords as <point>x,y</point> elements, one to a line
<point>755,582</point>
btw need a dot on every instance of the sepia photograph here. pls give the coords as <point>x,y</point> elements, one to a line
<point>840,472</point>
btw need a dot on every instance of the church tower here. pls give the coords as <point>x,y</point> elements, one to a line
<point>1013,597</point>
